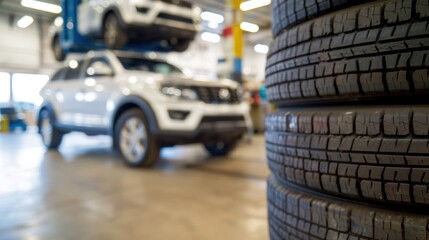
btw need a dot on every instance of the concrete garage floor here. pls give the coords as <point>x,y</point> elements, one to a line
<point>85,192</point>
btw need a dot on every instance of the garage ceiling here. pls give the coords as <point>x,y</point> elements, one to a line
<point>260,16</point>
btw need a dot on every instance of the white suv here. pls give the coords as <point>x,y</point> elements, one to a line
<point>144,103</point>
<point>118,21</point>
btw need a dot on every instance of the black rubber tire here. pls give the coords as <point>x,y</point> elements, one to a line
<point>368,153</point>
<point>297,215</point>
<point>56,134</point>
<point>112,23</point>
<point>371,52</point>
<point>287,13</point>
<point>152,154</point>
<point>220,148</point>
<point>181,45</point>
<point>58,52</point>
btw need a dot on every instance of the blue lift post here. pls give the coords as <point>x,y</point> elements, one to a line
<point>73,42</point>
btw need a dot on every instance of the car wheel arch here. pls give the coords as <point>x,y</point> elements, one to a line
<point>45,106</point>
<point>54,38</point>
<point>130,102</point>
<point>112,10</point>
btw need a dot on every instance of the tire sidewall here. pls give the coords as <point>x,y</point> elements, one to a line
<point>120,39</point>
<point>152,150</point>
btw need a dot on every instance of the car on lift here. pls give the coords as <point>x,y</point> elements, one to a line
<point>118,23</point>
<point>144,103</point>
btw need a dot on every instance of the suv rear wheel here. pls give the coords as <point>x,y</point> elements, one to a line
<point>51,136</point>
<point>135,142</point>
<point>114,35</point>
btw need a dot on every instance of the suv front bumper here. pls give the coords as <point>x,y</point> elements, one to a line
<point>203,123</point>
<point>211,129</point>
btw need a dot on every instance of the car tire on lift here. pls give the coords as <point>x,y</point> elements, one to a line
<point>131,129</point>
<point>114,34</point>
<point>180,45</point>
<point>59,53</point>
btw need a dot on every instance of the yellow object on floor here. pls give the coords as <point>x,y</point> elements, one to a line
<point>4,124</point>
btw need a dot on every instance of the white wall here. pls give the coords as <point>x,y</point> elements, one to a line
<point>19,48</point>
<point>254,65</point>
<point>202,59</point>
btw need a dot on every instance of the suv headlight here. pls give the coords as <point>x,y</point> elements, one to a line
<point>180,92</point>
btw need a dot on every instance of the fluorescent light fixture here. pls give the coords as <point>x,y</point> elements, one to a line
<point>261,48</point>
<point>210,37</point>
<point>42,6</point>
<point>73,64</point>
<point>212,17</point>
<point>253,4</point>
<point>25,21</point>
<point>58,21</point>
<point>249,27</point>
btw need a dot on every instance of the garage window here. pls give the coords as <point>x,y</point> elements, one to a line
<point>26,87</point>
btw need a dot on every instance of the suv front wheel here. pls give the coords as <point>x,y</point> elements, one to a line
<point>135,142</point>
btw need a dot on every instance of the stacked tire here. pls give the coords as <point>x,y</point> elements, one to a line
<point>348,146</point>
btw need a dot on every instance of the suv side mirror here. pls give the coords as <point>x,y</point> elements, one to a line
<point>99,69</point>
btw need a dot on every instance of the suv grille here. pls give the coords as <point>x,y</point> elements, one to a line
<point>214,95</point>
<point>181,3</point>
<point>176,18</point>
<point>222,122</point>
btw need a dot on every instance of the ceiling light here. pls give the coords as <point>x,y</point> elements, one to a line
<point>42,6</point>
<point>252,4</point>
<point>73,64</point>
<point>249,27</point>
<point>261,48</point>
<point>212,17</point>
<point>25,21</point>
<point>58,21</point>
<point>210,37</point>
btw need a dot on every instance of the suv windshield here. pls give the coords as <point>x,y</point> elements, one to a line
<point>141,64</point>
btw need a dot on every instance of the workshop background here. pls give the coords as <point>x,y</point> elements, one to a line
<point>202,119</point>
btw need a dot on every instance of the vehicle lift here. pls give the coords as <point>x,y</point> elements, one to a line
<point>73,42</point>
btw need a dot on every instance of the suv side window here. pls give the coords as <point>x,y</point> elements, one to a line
<point>73,73</point>
<point>99,67</point>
